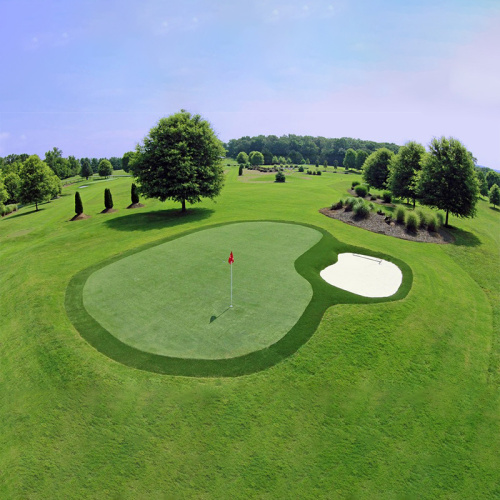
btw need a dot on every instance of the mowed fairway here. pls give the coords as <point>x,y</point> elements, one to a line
<point>174,299</point>
<point>385,400</point>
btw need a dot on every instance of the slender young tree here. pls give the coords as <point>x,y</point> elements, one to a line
<point>350,159</point>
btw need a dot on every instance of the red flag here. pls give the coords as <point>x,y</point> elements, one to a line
<point>231,258</point>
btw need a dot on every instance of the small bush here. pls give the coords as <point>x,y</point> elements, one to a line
<point>400,215</point>
<point>387,196</point>
<point>371,206</point>
<point>301,168</point>
<point>412,223</point>
<point>432,224</point>
<point>361,210</point>
<point>361,191</point>
<point>422,219</point>
<point>309,172</point>
<point>338,205</point>
<point>280,177</point>
<point>381,212</point>
<point>240,170</point>
<point>373,197</point>
<point>354,184</point>
<point>318,172</point>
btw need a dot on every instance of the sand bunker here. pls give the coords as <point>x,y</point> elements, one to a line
<point>364,275</point>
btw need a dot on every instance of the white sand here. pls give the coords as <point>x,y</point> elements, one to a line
<point>364,275</point>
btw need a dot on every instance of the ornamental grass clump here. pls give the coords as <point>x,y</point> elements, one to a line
<point>387,197</point>
<point>400,215</point>
<point>338,205</point>
<point>422,219</point>
<point>349,204</point>
<point>361,210</point>
<point>432,224</point>
<point>412,223</point>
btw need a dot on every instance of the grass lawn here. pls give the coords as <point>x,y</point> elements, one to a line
<point>395,399</point>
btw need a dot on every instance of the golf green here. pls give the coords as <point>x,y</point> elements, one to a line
<point>173,299</point>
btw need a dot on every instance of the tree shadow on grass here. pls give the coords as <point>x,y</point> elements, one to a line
<point>15,215</point>
<point>464,238</point>
<point>495,209</point>
<point>145,221</point>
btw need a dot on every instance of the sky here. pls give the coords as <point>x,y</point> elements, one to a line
<point>92,77</point>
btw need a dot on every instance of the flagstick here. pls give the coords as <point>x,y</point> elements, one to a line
<point>231,285</point>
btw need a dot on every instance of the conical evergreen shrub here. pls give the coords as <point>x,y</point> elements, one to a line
<point>108,199</point>
<point>134,194</point>
<point>78,204</point>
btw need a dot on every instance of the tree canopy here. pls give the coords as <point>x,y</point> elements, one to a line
<point>350,159</point>
<point>404,170</point>
<point>242,158</point>
<point>361,156</point>
<point>105,168</point>
<point>256,158</point>
<point>448,180</point>
<point>38,182</point>
<point>180,159</point>
<point>376,168</point>
<point>494,195</point>
<point>86,170</point>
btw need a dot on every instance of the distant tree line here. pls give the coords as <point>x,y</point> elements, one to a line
<point>62,167</point>
<point>298,149</point>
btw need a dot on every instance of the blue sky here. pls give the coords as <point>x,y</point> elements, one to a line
<point>92,77</point>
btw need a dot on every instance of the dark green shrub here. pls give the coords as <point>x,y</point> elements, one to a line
<point>381,212</point>
<point>387,196</point>
<point>108,199</point>
<point>134,195</point>
<point>400,215</point>
<point>78,204</point>
<point>432,224</point>
<point>240,170</point>
<point>309,172</point>
<point>280,177</point>
<point>361,191</point>
<point>318,172</point>
<point>354,184</point>
<point>338,205</point>
<point>412,222</point>
<point>373,197</point>
<point>301,168</point>
<point>422,219</point>
<point>362,210</point>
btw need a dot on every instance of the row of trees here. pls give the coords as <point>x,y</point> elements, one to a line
<point>62,167</point>
<point>302,149</point>
<point>444,177</point>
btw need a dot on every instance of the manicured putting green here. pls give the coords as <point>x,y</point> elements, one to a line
<point>173,299</point>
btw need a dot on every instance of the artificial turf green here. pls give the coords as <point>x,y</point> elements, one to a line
<point>395,399</point>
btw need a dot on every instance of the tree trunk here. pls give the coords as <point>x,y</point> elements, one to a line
<point>36,205</point>
<point>183,206</point>
<point>446,223</point>
<point>414,203</point>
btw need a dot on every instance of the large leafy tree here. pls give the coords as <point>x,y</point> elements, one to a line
<point>361,156</point>
<point>404,170</point>
<point>376,168</point>
<point>105,168</point>
<point>494,195</point>
<point>448,180</point>
<point>126,159</point>
<point>86,170</point>
<point>242,158</point>
<point>256,158</point>
<point>37,182</point>
<point>180,159</point>
<point>350,159</point>
<point>12,183</point>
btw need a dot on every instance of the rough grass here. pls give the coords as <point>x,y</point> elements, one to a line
<point>387,400</point>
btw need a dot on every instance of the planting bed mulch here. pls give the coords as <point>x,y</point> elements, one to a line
<point>376,223</point>
<point>108,210</point>
<point>80,217</point>
<point>136,205</point>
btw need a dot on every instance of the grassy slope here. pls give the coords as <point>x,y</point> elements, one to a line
<point>386,400</point>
